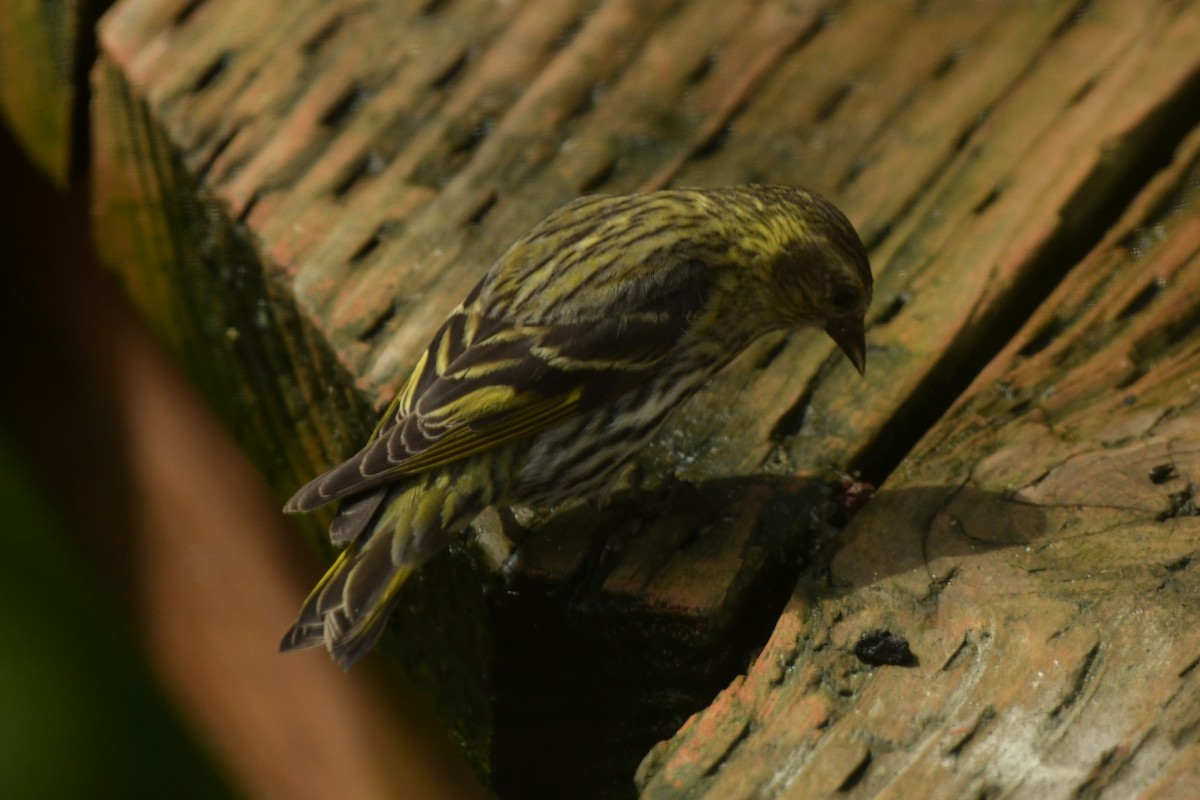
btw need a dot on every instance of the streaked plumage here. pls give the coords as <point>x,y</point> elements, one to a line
<point>562,363</point>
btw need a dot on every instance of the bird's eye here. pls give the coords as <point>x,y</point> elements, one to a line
<point>844,299</point>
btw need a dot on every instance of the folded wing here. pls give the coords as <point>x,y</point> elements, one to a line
<point>509,380</point>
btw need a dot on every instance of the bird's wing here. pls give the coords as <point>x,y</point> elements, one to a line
<point>480,386</point>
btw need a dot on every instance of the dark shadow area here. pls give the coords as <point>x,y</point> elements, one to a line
<point>596,669</point>
<point>909,529</point>
<point>669,602</point>
<point>85,716</point>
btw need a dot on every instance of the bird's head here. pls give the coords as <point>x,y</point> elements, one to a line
<point>819,272</point>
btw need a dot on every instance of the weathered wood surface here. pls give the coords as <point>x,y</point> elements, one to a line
<point>1038,549</point>
<point>296,200</point>
<point>44,49</point>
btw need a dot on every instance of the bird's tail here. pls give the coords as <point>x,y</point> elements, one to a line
<point>349,608</point>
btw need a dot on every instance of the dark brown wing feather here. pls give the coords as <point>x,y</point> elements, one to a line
<point>511,381</point>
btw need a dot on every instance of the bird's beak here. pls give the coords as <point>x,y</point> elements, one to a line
<point>851,336</point>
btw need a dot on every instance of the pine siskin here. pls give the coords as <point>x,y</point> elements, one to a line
<point>563,362</point>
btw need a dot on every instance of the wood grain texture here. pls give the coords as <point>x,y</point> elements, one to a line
<point>297,195</point>
<point>1039,551</point>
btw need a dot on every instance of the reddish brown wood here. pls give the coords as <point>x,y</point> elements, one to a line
<point>1038,549</point>
<point>297,199</point>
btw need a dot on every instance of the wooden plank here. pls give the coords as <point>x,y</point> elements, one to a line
<point>44,49</point>
<point>1038,549</point>
<point>297,200</point>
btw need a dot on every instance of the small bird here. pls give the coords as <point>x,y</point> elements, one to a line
<point>562,363</point>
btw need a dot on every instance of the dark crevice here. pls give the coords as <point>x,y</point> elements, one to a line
<point>712,144</point>
<point>1181,564</point>
<point>465,140</point>
<point>772,353</point>
<point>209,76</point>
<point>568,33</point>
<point>741,737</point>
<point>960,142</point>
<point>857,167</point>
<point>450,73</point>
<point>1161,473</point>
<point>1100,775</point>
<point>1189,669</point>
<point>217,149</point>
<point>377,237</point>
<point>835,101</point>
<point>434,7</point>
<point>1165,338</point>
<point>892,310</point>
<point>372,330</point>
<point>856,775</point>
<point>872,239</point>
<point>371,163</point>
<point>185,13</point>
<point>460,141</point>
<point>938,583</point>
<point>1082,677</point>
<point>703,69</point>
<point>486,204</point>
<point>85,59</point>
<point>1044,337</point>
<point>986,717</point>
<point>601,176</point>
<point>963,646</point>
<point>948,63</point>
<point>1021,407</point>
<point>1143,299</point>
<point>1145,236</point>
<point>584,104</point>
<point>1135,374</point>
<point>1083,91</point>
<point>1186,735</point>
<point>792,420</point>
<point>817,27</point>
<point>250,204</point>
<point>323,36</point>
<point>1182,504</point>
<point>988,200</point>
<point>344,107</point>
<point>1077,15</point>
